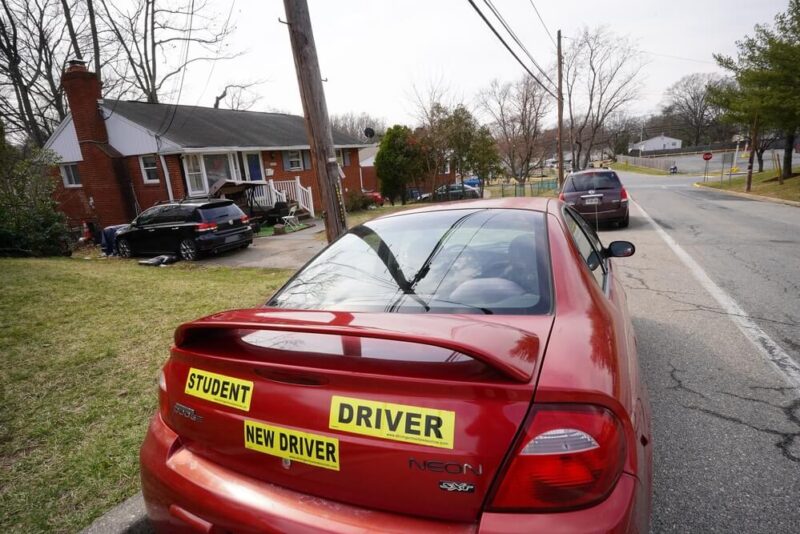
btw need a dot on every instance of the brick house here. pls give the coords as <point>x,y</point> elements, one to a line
<point>120,157</point>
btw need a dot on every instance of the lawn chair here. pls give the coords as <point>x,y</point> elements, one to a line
<point>291,220</point>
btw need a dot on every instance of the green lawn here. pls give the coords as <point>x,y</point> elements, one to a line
<point>626,167</point>
<point>81,343</point>
<point>267,231</point>
<point>533,188</point>
<point>765,184</point>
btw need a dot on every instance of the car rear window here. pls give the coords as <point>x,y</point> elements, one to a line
<point>592,180</point>
<point>491,261</point>
<point>217,212</point>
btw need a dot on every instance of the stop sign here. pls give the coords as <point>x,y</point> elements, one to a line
<point>707,156</point>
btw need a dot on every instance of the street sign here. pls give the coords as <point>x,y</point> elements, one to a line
<point>707,156</point>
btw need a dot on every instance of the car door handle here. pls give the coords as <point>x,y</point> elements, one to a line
<point>176,227</point>
<point>151,229</point>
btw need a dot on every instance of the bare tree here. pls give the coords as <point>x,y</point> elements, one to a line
<point>354,124</point>
<point>433,110</point>
<point>238,96</point>
<point>601,77</point>
<point>516,112</point>
<point>688,100</point>
<point>34,48</point>
<point>149,31</point>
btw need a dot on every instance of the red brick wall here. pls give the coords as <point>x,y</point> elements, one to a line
<point>308,177</point>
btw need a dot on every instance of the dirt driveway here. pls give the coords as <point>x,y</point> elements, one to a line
<point>290,251</point>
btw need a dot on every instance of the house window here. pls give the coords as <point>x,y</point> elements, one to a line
<point>69,173</point>
<point>343,157</point>
<point>194,174</point>
<point>294,160</point>
<point>149,169</point>
<point>218,167</point>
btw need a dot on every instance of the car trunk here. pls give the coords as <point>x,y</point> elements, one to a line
<point>410,414</point>
<point>600,200</point>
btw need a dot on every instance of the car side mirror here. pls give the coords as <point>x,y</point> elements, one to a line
<point>620,249</point>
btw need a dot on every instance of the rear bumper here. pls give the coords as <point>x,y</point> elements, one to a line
<point>219,242</point>
<point>184,492</point>
<point>615,214</point>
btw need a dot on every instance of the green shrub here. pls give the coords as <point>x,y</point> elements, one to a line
<point>356,201</point>
<point>30,223</point>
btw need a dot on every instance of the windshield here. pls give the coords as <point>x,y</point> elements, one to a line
<point>592,180</point>
<point>455,261</point>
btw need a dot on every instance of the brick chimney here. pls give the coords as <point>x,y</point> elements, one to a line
<point>83,91</point>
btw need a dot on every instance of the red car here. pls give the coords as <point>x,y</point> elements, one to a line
<point>375,197</point>
<point>468,368</point>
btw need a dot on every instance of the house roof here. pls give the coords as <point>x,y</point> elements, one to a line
<point>199,127</point>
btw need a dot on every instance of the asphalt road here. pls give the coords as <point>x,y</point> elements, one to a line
<point>726,422</point>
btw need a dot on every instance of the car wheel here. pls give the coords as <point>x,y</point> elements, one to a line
<point>247,244</point>
<point>188,250</point>
<point>124,248</point>
<point>624,222</point>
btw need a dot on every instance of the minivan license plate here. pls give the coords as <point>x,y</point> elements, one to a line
<point>231,239</point>
<point>592,201</point>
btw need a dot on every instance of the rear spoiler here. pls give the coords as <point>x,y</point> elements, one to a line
<point>509,350</point>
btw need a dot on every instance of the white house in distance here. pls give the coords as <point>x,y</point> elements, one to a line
<point>662,142</point>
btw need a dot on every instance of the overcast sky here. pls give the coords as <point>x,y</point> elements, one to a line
<point>373,52</point>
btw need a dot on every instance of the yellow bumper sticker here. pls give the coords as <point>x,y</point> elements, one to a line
<point>225,390</point>
<point>312,449</point>
<point>396,422</point>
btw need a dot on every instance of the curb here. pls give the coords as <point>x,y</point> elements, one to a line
<point>750,195</point>
<point>128,517</point>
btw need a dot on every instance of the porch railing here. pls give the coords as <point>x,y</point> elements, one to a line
<point>294,190</point>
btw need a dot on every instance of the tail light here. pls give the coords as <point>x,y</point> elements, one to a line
<point>206,227</point>
<point>245,219</point>
<point>561,196</point>
<point>623,195</point>
<point>163,402</point>
<point>568,456</point>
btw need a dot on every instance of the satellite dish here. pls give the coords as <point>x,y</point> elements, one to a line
<point>369,133</point>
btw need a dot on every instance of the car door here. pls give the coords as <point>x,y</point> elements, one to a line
<point>169,228</point>
<point>142,239</point>
<point>633,387</point>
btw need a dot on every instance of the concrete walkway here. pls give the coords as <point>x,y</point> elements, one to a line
<point>290,251</point>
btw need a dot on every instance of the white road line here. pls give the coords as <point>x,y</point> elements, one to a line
<point>774,354</point>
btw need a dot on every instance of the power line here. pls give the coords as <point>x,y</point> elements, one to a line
<point>183,73</point>
<point>543,24</point>
<point>679,57</point>
<point>511,32</point>
<point>548,91</point>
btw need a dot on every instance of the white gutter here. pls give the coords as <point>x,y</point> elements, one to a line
<point>166,177</point>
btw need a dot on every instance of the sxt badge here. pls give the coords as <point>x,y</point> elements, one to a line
<point>461,487</point>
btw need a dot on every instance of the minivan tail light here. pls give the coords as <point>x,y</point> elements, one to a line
<point>206,227</point>
<point>623,195</point>
<point>561,196</point>
<point>245,219</point>
<point>568,456</point>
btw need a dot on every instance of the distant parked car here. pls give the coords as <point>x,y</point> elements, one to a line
<point>473,181</point>
<point>598,195</point>
<point>188,228</point>
<point>375,197</point>
<point>455,192</point>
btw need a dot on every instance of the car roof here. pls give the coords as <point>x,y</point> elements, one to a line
<point>199,203</point>
<point>592,171</point>
<point>518,203</point>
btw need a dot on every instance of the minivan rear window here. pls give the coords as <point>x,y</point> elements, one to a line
<point>592,180</point>
<point>217,212</point>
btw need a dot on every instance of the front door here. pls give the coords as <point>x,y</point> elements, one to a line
<point>253,164</point>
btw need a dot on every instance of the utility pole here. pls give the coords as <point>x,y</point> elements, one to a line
<point>560,114</point>
<point>318,127</point>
